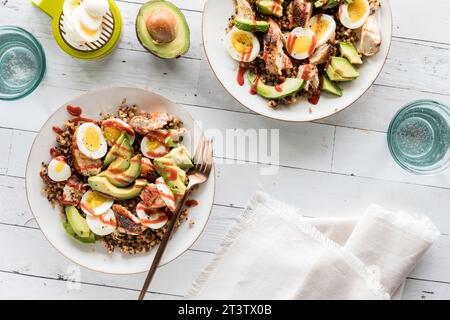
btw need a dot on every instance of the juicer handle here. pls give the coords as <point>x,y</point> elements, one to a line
<point>51,7</point>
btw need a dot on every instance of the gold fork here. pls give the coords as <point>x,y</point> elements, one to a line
<point>203,159</point>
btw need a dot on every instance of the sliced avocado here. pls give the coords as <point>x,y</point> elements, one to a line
<point>344,68</point>
<point>331,87</point>
<point>251,25</point>
<point>77,222</point>
<point>181,157</point>
<point>287,88</point>
<point>175,137</point>
<point>102,185</point>
<point>124,178</point>
<point>69,230</point>
<point>123,151</point>
<point>349,51</point>
<point>162,29</point>
<point>174,176</point>
<point>334,76</point>
<point>270,7</point>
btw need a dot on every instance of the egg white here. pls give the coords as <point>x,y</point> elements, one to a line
<point>146,219</point>
<point>105,206</point>
<point>62,175</point>
<point>81,18</point>
<point>237,55</point>
<point>165,193</point>
<point>331,30</point>
<point>345,18</point>
<point>299,32</point>
<point>160,149</point>
<point>96,8</point>
<point>97,223</point>
<point>95,154</point>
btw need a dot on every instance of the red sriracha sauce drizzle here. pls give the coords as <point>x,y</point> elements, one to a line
<point>74,111</point>
<point>110,222</point>
<point>315,37</point>
<point>57,130</point>
<point>279,88</point>
<point>254,86</point>
<point>314,99</point>
<point>240,76</point>
<point>276,6</point>
<point>54,152</point>
<point>290,42</point>
<point>191,203</point>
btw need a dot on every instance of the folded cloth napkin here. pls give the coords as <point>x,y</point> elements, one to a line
<point>275,253</point>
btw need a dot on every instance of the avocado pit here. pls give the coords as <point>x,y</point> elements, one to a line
<point>161,25</point>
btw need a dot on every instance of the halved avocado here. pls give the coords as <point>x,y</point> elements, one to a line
<point>124,178</point>
<point>102,185</point>
<point>251,25</point>
<point>331,87</point>
<point>77,222</point>
<point>287,88</point>
<point>270,7</point>
<point>162,29</point>
<point>119,155</point>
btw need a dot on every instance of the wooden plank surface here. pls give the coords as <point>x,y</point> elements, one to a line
<point>334,167</point>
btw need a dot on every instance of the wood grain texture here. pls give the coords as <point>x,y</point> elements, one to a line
<point>334,167</point>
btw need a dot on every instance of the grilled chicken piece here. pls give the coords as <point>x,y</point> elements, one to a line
<point>310,74</point>
<point>151,197</point>
<point>274,56</point>
<point>146,122</point>
<point>73,191</point>
<point>126,221</point>
<point>244,10</point>
<point>148,171</point>
<point>322,54</point>
<point>83,165</point>
<point>370,39</point>
<point>300,11</point>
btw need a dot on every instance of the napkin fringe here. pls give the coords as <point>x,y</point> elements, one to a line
<point>259,198</point>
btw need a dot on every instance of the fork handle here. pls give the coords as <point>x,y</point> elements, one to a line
<point>163,245</point>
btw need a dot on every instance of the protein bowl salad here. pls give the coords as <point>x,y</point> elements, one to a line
<point>292,48</point>
<point>118,179</point>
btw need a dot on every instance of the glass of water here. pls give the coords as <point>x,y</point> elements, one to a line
<point>22,63</point>
<point>419,137</point>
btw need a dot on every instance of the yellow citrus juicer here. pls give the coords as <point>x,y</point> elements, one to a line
<point>111,30</point>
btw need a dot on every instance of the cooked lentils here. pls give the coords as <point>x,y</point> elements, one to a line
<point>129,244</point>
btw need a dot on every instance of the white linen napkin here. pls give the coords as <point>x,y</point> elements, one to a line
<point>275,253</point>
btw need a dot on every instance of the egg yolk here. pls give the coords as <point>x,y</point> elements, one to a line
<point>91,139</point>
<point>111,134</point>
<point>356,10</point>
<point>94,200</point>
<point>59,166</point>
<point>152,145</point>
<point>241,42</point>
<point>320,27</point>
<point>302,44</point>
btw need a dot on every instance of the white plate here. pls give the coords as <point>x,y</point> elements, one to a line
<point>96,257</point>
<point>215,22</point>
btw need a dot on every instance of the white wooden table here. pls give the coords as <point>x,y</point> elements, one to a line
<point>336,166</point>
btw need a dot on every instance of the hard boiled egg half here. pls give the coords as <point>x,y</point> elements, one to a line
<point>113,128</point>
<point>58,170</point>
<point>242,45</point>
<point>90,141</point>
<point>102,225</point>
<point>151,218</point>
<point>94,204</point>
<point>355,14</point>
<point>153,148</point>
<point>301,43</point>
<point>324,28</point>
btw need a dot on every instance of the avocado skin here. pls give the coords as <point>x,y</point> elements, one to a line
<point>124,178</point>
<point>102,185</point>
<point>331,87</point>
<point>289,87</point>
<point>250,25</point>
<point>160,50</point>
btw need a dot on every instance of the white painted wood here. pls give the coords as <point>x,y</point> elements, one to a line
<point>317,160</point>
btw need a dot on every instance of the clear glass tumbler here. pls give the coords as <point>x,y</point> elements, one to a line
<point>22,63</point>
<point>419,137</point>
